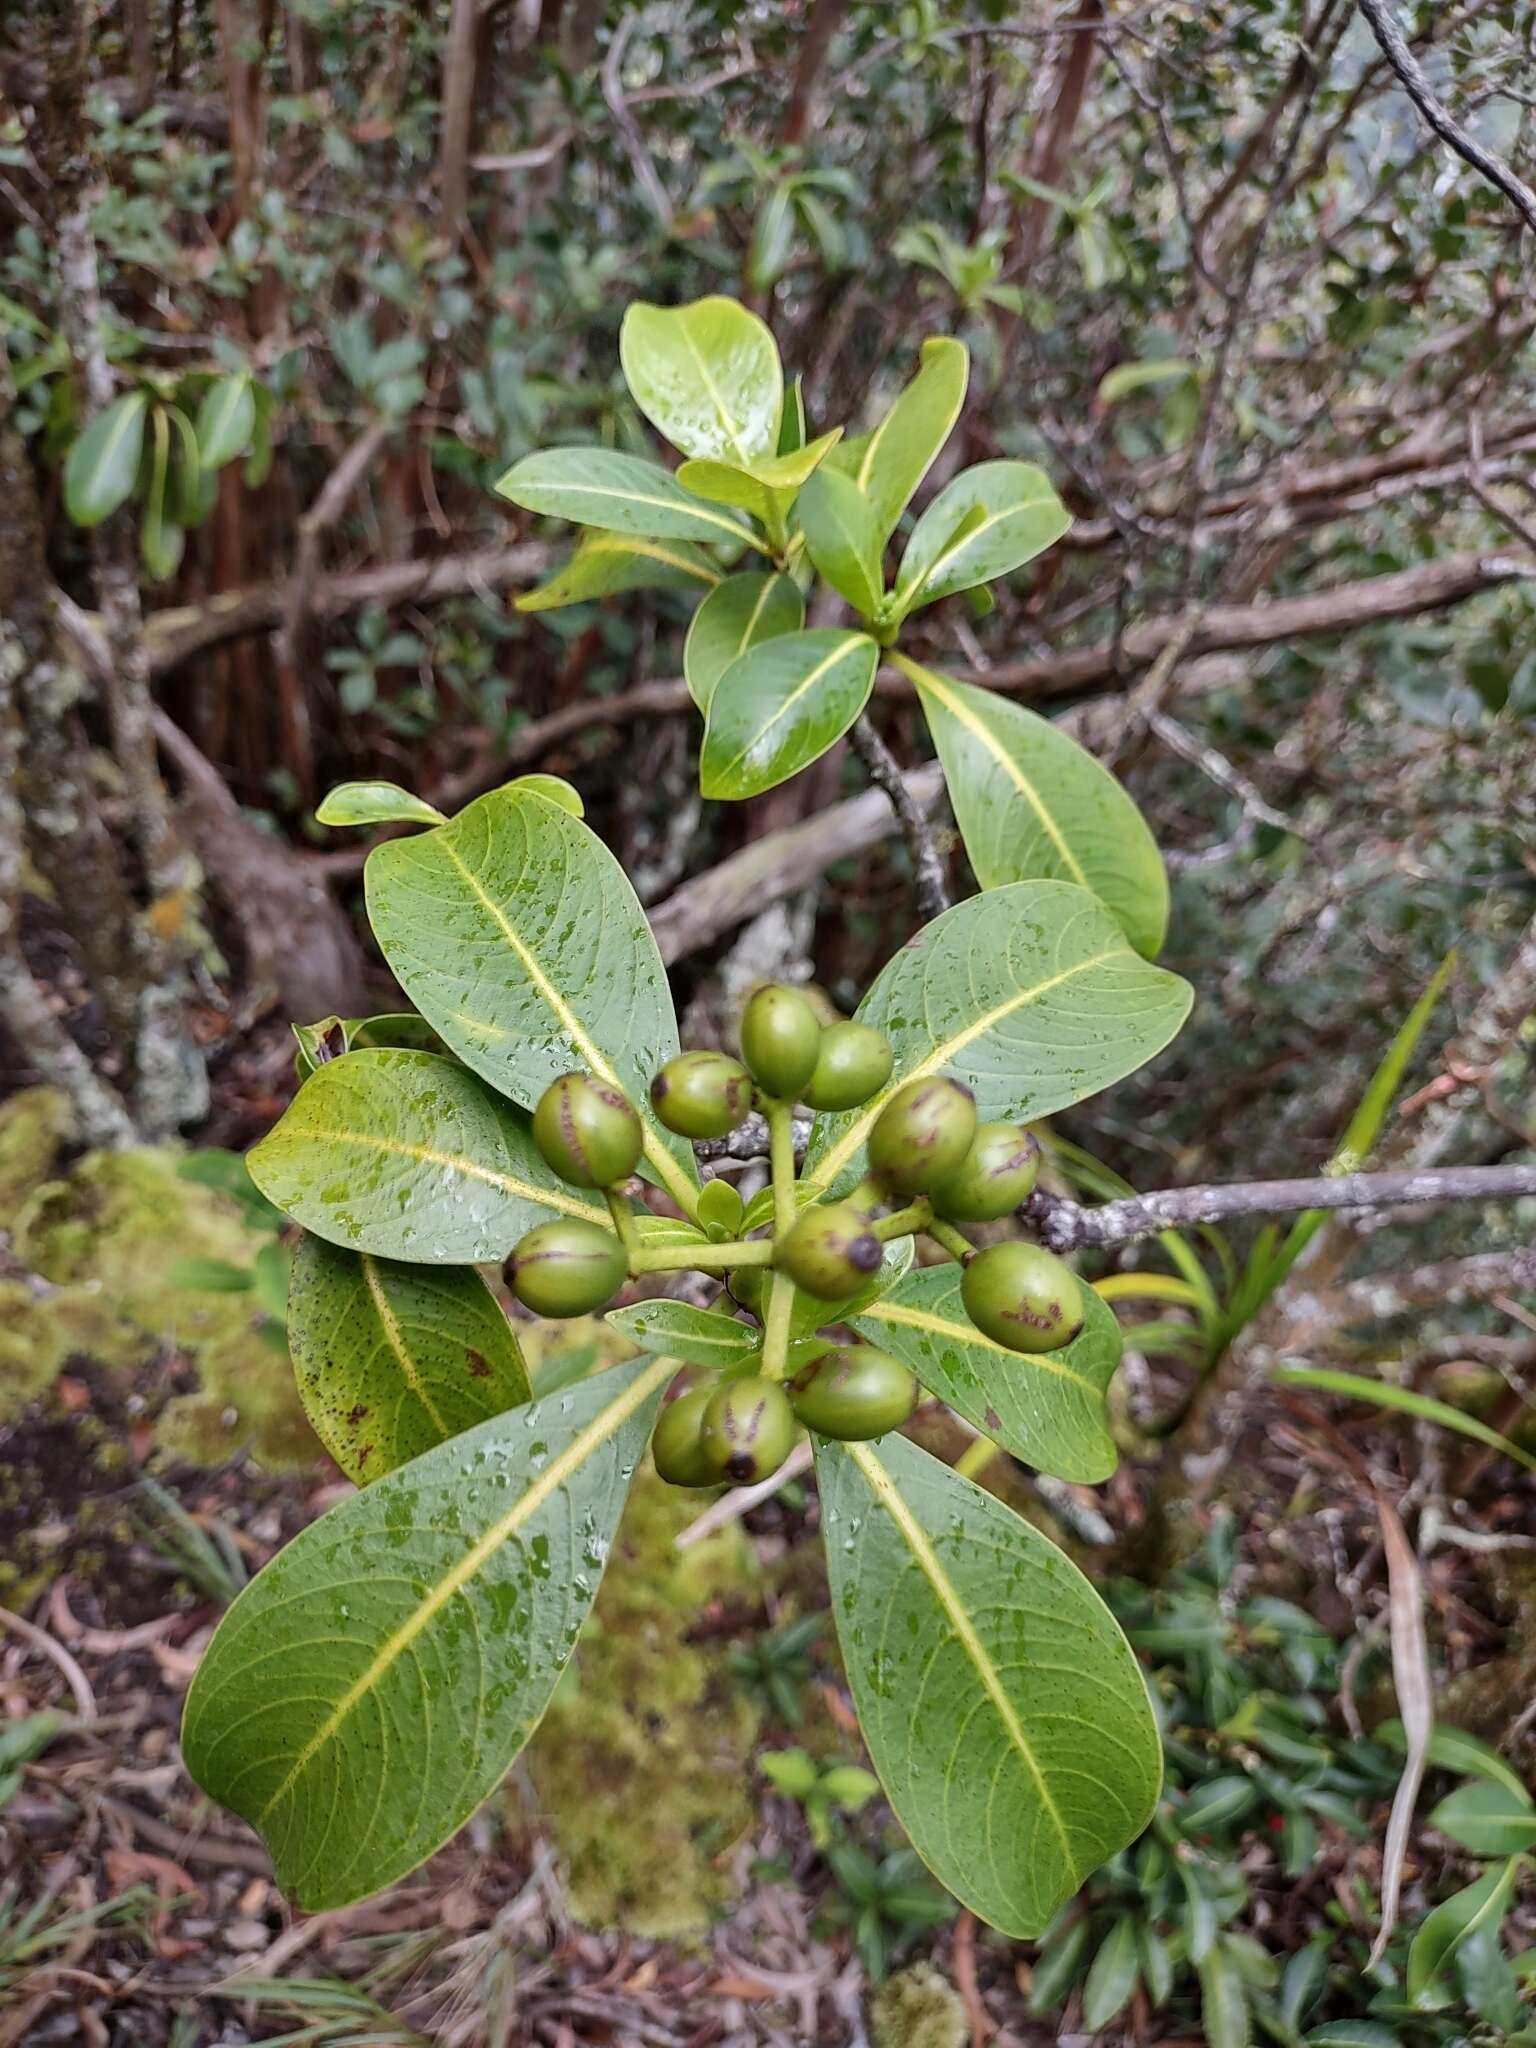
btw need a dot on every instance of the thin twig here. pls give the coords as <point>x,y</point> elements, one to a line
<point>1219,769</point>
<point>1416,84</point>
<point>49,1646</point>
<point>1067,1226</point>
<point>1415,1700</point>
<point>733,1505</point>
<point>927,862</point>
<point>1477,479</point>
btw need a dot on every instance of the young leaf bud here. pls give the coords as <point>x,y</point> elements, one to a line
<point>780,1038</point>
<point>748,1430</point>
<point>854,1393</point>
<point>829,1252</point>
<point>701,1094</point>
<point>1022,1296</point>
<point>587,1131</point>
<point>566,1268</point>
<point>922,1134</point>
<point>853,1062</point>
<point>675,1441</point>
<point>998,1173</point>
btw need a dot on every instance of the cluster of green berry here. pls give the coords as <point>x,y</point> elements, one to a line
<point>931,1167</point>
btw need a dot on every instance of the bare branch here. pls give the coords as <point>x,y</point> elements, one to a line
<point>927,862</point>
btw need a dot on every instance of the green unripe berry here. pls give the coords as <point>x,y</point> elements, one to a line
<point>1022,1296</point>
<point>587,1131</point>
<point>854,1393</point>
<point>853,1062</point>
<point>829,1252</point>
<point>675,1441</point>
<point>749,1286</point>
<point>702,1094</point>
<point>923,1134</point>
<point>748,1430</point>
<point>566,1268</point>
<point>780,1038</point>
<point>998,1173</point>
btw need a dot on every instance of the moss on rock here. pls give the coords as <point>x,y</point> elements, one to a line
<point>918,2008</point>
<point>641,1772</point>
<point>33,1125</point>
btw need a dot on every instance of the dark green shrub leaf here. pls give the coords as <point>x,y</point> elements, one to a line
<point>988,522</point>
<point>1004,1711</point>
<point>103,465</point>
<point>889,463</point>
<point>1047,1409</point>
<point>392,1360</point>
<point>696,1336</point>
<point>706,376</point>
<point>766,488</point>
<point>1224,2015</point>
<point>1487,1819</point>
<point>1448,1926</point>
<point>1111,1980</point>
<point>369,1688</point>
<point>226,420</point>
<point>375,803</point>
<point>755,605</point>
<point>1353,2034</point>
<point>1454,1750</point>
<point>843,538</point>
<point>1030,994</point>
<point>1030,801</point>
<point>410,1157</point>
<point>780,707</point>
<point>620,493</point>
<point>607,563</point>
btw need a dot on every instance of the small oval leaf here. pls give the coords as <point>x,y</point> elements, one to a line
<point>226,420</point>
<point>1487,1819</point>
<point>755,605</point>
<point>706,375</point>
<point>987,522</point>
<point>676,1329</point>
<point>605,564</point>
<point>780,707</point>
<point>620,493</point>
<point>103,465</point>
<point>375,803</point>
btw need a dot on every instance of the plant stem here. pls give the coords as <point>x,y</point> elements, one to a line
<point>928,874</point>
<point>953,1241</point>
<point>781,1301</point>
<point>701,1258</point>
<point>781,1291</point>
<point>917,1215</point>
<point>623,1219</point>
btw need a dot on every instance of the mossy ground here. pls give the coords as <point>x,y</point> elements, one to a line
<point>919,2008</point>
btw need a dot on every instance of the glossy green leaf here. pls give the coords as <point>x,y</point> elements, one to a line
<point>408,1156</point>
<point>517,935</point>
<point>374,803</point>
<point>1112,1975</point>
<point>793,432</point>
<point>780,707</point>
<point>1487,1819</point>
<point>1452,1921</point>
<point>1303,1981</point>
<point>987,522</point>
<point>226,420</point>
<point>1002,1707</point>
<point>1407,1401</point>
<point>103,464</point>
<point>1488,1983</point>
<point>553,787</point>
<point>619,493</point>
<point>890,463</point>
<point>392,1360</point>
<point>1030,802</point>
<point>357,1717</point>
<point>1056,1971</point>
<point>676,1329</point>
<point>755,605</point>
<point>1353,2034</point>
<point>766,488</point>
<point>1030,994</point>
<point>161,540</point>
<point>1156,1961</point>
<point>843,538</point>
<point>1047,1409</point>
<point>706,375</point>
<point>1452,1749</point>
<point>606,563</point>
<point>1224,2016</point>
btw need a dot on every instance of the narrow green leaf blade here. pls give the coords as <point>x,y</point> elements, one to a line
<point>369,1688</point>
<point>103,464</point>
<point>1003,1709</point>
<point>1224,2016</point>
<point>782,705</point>
<point>1452,1921</point>
<point>676,1329</point>
<point>1030,801</point>
<point>1387,1394</point>
<point>620,493</point>
<point>517,935</point>
<point>1047,1409</point>
<point>408,1156</point>
<point>988,522</point>
<point>1111,1980</point>
<point>890,463</point>
<point>843,538</point>
<point>706,375</point>
<point>1487,1819</point>
<point>605,564</point>
<point>1030,994</point>
<point>1453,1749</point>
<point>392,1360</point>
<point>754,605</point>
<point>375,803</point>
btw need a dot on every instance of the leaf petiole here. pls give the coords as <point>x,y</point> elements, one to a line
<point>949,1239</point>
<point>917,1215</point>
<point>701,1258</point>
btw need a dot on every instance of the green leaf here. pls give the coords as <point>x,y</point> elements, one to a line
<point>1028,994</point>
<point>226,420</point>
<point>103,465</point>
<point>620,493</point>
<point>408,1156</point>
<point>1387,1394</point>
<point>792,428</point>
<point>371,1686</point>
<point>1452,1749</point>
<point>1353,2034</point>
<point>1030,801</point>
<point>606,563</point>
<point>554,788</point>
<point>1224,2015</point>
<point>517,935</point>
<point>1304,1980</point>
<point>843,538</point>
<point>1156,1964</point>
<point>1047,1409</point>
<point>889,464</point>
<point>161,540</point>
<point>1443,1931</point>
<point>1125,378</point>
<point>392,1360</point>
<point>1111,1981</point>
<point>211,1276</point>
<point>987,522</point>
<point>766,488</point>
<point>1488,1983</point>
<point>375,803</point>
<point>1002,1707</point>
<point>676,1329</point>
<point>780,707</point>
<point>706,376</point>
<point>755,605</point>
<point>1056,1971</point>
<point>1487,1819</point>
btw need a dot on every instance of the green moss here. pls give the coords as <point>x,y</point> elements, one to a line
<point>33,1124</point>
<point>641,1773</point>
<point>917,2008</point>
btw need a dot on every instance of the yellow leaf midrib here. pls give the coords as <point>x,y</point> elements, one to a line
<point>428,1155</point>
<point>807,682</point>
<point>962,713</point>
<point>603,1426</point>
<point>394,1337</point>
<point>888,1311</point>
